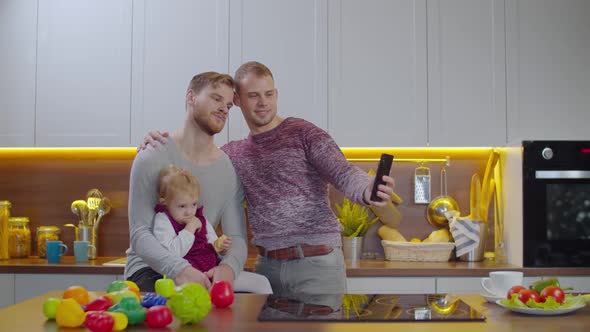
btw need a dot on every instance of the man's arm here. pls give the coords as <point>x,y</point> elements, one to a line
<point>179,243</point>
<point>331,164</point>
<point>233,221</point>
<point>143,190</point>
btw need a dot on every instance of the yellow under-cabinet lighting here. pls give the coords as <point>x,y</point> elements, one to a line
<point>426,154</point>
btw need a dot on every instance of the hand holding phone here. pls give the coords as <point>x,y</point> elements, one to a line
<point>383,169</point>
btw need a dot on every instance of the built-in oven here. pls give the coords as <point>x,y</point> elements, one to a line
<point>556,203</point>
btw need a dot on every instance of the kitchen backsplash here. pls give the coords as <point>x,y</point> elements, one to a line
<point>42,183</point>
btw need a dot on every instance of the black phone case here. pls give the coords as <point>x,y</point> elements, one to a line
<point>383,169</point>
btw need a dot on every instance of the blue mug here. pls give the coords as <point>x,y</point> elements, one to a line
<point>82,250</point>
<point>55,249</point>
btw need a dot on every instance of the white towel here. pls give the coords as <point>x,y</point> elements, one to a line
<point>465,232</point>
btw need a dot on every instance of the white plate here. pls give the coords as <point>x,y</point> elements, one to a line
<point>543,312</point>
<point>491,297</point>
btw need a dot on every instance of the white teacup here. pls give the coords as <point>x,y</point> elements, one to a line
<point>500,282</point>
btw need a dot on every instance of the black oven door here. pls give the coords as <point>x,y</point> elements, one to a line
<point>556,208</point>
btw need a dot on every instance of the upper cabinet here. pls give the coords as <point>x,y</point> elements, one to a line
<point>377,73</point>
<point>290,37</point>
<point>466,73</point>
<point>172,42</point>
<point>548,69</point>
<point>83,73</point>
<point>18,37</point>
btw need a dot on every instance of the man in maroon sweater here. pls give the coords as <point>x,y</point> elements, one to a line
<point>285,166</point>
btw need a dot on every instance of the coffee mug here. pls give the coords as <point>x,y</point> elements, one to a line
<point>500,282</point>
<point>55,249</point>
<point>83,250</point>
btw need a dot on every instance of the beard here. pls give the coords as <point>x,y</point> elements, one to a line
<point>209,124</point>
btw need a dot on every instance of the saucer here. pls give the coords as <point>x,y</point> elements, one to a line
<point>492,298</point>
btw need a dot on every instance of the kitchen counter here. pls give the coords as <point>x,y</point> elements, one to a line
<point>362,268</point>
<point>242,316</point>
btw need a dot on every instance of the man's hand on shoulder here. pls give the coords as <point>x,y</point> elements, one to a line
<point>151,138</point>
<point>190,274</point>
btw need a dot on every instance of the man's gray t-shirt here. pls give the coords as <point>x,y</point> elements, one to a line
<point>222,196</point>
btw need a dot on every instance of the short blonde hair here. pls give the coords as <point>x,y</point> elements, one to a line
<point>202,80</point>
<point>253,67</point>
<point>175,180</point>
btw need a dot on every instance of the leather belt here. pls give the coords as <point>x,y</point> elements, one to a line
<point>296,252</point>
<point>299,309</point>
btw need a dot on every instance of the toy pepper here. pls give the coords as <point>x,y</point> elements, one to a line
<point>101,303</point>
<point>131,307</point>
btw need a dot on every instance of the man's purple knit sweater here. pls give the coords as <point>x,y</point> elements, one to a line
<point>285,173</point>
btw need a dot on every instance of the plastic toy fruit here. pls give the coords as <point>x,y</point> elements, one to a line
<point>50,307</point>
<point>78,293</point>
<point>165,287</point>
<point>131,307</point>
<point>120,319</point>
<point>151,299</point>
<point>99,321</point>
<point>158,316</point>
<point>191,303</point>
<point>116,285</point>
<point>222,294</point>
<point>69,313</point>
<point>101,303</point>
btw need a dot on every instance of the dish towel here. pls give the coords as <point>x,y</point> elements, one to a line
<point>465,232</point>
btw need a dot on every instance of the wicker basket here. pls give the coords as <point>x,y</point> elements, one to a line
<point>417,252</point>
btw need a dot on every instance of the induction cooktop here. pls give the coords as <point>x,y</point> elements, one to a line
<point>368,308</point>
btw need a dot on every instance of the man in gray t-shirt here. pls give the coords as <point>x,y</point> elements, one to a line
<point>208,99</point>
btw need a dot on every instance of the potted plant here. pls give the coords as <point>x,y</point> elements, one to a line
<point>355,224</point>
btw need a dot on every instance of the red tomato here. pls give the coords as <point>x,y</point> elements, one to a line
<point>553,291</point>
<point>526,294</point>
<point>222,294</point>
<point>514,290</point>
<point>158,316</point>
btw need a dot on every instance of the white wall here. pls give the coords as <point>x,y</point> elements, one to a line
<point>372,73</point>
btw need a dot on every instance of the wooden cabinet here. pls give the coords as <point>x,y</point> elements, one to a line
<point>548,69</point>
<point>289,37</point>
<point>172,42</point>
<point>377,73</point>
<point>466,73</point>
<point>83,81</point>
<point>18,33</point>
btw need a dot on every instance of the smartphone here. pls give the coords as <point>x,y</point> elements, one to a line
<point>383,169</point>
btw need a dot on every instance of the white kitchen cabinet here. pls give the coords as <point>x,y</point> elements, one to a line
<point>27,286</point>
<point>466,73</point>
<point>83,73</point>
<point>6,289</point>
<point>460,285</point>
<point>290,37</point>
<point>548,69</point>
<point>18,36</point>
<point>172,42</point>
<point>377,73</point>
<point>390,285</point>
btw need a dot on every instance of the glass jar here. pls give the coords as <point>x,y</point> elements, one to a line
<point>46,233</point>
<point>4,215</point>
<point>19,237</point>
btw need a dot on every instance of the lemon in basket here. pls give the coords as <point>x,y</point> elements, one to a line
<point>415,239</point>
